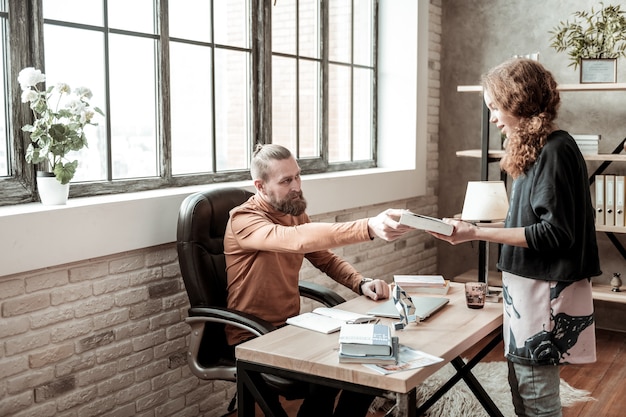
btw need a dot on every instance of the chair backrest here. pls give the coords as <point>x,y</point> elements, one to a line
<point>200,243</point>
<point>202,222</point>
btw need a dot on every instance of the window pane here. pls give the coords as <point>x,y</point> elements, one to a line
<point>362,146</point>
<point>284,27</point>
<point>339,117</point>
<point>88,12</point>
<point>190,96</point>
<point>284,103</point>
<point>232,121</point>
<point>363,33</point>
<point>309,109</point>
<point>231,23</point>
<point>340,30</point>
<point>190,19</point>
<point>86,72</point>
<point>309,28</point>
<point>133,107</point>
<point>135,15</point>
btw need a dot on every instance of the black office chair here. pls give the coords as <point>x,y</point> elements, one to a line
<point>200,243</point>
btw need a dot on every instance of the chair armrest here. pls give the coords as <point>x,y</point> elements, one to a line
<point>320,293</point>
<point>236,318</point>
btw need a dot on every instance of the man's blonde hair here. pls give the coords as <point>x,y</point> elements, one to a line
<point>263,155</point>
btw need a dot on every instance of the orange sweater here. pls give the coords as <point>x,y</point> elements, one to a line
<point>264,252</point>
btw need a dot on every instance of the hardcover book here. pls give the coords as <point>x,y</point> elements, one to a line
<point>380,360</point>
<point>365,339</point>
<point>421,222</point>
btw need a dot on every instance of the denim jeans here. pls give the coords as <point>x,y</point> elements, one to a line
<point>535,390</point>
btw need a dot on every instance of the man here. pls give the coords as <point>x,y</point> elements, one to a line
<point>266,241</point>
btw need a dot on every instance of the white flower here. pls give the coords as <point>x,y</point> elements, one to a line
<point>76,106</point>
<point>30,77</point>
<point>83,92</point>
<point>63,88</point>
<point>29,95</point>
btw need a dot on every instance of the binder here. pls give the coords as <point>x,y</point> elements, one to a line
<point>609,200</point>
<point>619,200</point>
<point>599,200</point>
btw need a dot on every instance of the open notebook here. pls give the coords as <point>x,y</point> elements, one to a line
<point>424,307</point>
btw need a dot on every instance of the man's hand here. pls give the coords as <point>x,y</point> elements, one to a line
<point>376,289</point>
<point>386,225</point>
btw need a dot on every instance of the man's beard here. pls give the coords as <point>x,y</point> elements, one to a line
<point>294,203</point>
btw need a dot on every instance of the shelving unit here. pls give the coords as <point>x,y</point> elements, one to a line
<point>487,156</point>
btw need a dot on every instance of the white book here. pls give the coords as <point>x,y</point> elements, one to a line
<point>620,183</point>
<point>422,222</point>
<point>599,182</point>
<point>419,280</point>
<point>328,320</point>
<point>609,200</point>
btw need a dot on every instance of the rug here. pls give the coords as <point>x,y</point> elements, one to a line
<point>460,401</point>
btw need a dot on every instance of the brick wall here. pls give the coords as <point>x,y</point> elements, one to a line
<point>106,337</point>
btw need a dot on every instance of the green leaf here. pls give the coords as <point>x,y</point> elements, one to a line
<point>65,172</point>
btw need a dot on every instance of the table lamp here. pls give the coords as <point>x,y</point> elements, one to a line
<point>486,204</point>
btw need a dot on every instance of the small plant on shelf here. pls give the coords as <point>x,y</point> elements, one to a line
<point>598,34</point>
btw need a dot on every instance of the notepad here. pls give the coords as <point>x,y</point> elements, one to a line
<point>327,320</point>
<point>424,307</point>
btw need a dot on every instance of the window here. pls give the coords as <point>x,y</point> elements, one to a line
<point>323,82</point>
<point>187,97</point>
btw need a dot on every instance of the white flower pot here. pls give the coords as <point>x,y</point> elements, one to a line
<point>51,191</point>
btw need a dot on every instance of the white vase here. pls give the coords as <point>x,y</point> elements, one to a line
<point>51,191</point>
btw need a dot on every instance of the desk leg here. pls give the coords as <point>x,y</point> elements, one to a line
<point>406,404</point>
<point>464,371</point>
<point>250,390</point>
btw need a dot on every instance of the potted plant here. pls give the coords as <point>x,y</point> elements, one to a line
<point>61,115</point>
<point>596,35</point>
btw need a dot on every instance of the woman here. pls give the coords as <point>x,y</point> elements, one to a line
<point>549,251</point>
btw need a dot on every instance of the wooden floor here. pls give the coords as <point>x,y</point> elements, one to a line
<point>605,379</point>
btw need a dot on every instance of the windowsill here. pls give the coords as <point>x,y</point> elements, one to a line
<point>37,236</point>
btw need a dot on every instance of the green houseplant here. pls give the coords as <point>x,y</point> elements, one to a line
<point>598,34</point>
<point>61,115</point>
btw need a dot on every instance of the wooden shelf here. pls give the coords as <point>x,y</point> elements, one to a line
<point>604,293</point>
<point>495,154</point>
<point>561,87</point>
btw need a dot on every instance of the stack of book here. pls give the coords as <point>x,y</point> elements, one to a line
<point>430,284</point>
<point>588,144</point>
<point>369,343</point>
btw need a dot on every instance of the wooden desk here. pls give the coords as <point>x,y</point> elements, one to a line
<point>310,356</point>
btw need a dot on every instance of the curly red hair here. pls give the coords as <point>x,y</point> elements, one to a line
<point>524,89</point>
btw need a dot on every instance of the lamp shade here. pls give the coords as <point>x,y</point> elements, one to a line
<point>485,201</point>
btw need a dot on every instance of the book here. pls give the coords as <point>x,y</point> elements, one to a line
<point>427,284</point>
<point>609,200</point>
<point>439,290</point>
<point>408,358</point>
<point>620,183</point>
<point>327,320</point>
<point>390,360</point>
<point>418,221</point>
<point>365,339</point>
<point>599,180</point>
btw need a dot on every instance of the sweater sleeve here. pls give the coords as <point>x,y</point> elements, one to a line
<point>254,231</point>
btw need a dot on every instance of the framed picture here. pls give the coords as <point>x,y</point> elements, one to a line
<point>598,70</point>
